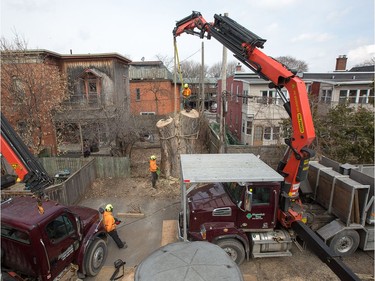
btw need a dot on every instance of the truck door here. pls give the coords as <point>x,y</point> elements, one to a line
<point>263,208</point>
<point>61,241</point>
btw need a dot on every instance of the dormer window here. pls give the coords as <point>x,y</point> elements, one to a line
<point>91,83</point>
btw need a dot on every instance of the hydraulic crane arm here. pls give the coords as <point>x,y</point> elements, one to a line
<point>26,166</point>
<point>245,46</point>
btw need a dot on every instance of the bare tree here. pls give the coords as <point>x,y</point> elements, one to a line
<point>368,62</point>
<point>293,63</point>
<point>192,69</point>
<point>31,88</point>
<point>167,61</point>
<point>215,70</point>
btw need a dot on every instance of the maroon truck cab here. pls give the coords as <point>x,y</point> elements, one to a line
<point>221,205</point>
<point>232,200</point>
<point>41,245</point>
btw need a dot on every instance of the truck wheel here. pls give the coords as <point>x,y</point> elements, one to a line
<point>234,249</point>
<point>345,242</point>
<point>95,257</point>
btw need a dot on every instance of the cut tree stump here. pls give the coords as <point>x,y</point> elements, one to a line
<point>178,135</point>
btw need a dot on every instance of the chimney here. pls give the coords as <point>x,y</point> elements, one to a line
<point>238,67</point>
<point>341,63</point>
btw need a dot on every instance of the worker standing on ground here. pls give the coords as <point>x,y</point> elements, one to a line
<point>186,93</point>
<point>110,224</point>
<point>153,169</point>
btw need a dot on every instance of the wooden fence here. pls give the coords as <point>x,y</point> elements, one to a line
<point>83,172</point>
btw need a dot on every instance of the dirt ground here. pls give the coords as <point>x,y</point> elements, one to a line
<point>301,266</point>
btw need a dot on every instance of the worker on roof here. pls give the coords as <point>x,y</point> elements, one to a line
<point>186,93</point>
<point>110,223</point>
<point>154,169</point>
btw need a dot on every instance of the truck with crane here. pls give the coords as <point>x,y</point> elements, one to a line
<point>241,204</point>
<point>40,238</point>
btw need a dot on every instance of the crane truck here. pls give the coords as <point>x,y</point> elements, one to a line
<point>42,239</point>
<point>242,204</point>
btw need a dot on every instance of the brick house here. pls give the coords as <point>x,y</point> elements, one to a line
<point>28,79</point>
<point>152,89</point>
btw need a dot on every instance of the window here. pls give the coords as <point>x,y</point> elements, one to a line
<point>59,228</point>
<point>326,96</point>
<point>362,97</point>
<point>237,93</point>
<point>261,195</point>
<point>258,134</point>
<point>249,127</point>
<point>234,190</point>
<point>271,133</point>
<point>243,126</point>
<point>352,96</point>
<point>147,113</point>
<point>343,96</point>
<point>15,234</point>
<point>267,133</point>
<point>245,94</point>
<point>92,87</point>
<point>271,97</point>
<point>137,94</point>
<point>17,87</point>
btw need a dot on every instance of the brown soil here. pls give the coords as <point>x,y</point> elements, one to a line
<point>300,267</point>
<point>139,181</point>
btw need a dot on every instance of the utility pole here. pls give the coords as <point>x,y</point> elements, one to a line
<point>223,98</point>
<point>202,98</point>
<point>175,77</point>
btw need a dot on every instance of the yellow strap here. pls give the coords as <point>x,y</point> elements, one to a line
<point>178,61</point>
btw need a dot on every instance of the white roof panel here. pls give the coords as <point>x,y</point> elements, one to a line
<point>226,168</point>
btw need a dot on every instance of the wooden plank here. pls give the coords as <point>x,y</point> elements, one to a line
<point>249,277</point>
<point>131,215</point>
<point>169,233</point>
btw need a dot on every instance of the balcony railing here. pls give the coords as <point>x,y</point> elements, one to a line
<point>79,101</point>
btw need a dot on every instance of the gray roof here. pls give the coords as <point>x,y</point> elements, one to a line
<point>338,77</point>
<point>242,167</point>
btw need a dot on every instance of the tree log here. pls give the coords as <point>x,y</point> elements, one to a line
<point>178,135</point>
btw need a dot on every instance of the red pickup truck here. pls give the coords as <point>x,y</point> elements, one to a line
<point>42,242</point>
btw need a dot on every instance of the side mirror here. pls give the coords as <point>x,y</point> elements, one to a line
<point>248,200</point>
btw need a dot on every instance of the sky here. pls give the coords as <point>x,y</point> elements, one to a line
<point>314,31</point>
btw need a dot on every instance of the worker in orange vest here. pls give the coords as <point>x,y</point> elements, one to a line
<point>110,223</point>
<point>154,170</point>
<point>186,93</point>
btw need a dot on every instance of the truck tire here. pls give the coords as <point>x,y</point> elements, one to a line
<point>234,249</point>
<point>345,242</point>
<point>95,257</point>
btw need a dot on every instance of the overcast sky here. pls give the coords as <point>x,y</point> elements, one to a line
<point>315,31</point>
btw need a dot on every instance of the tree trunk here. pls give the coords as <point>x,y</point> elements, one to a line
<point>178,135</point>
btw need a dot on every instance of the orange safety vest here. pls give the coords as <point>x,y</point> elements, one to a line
<point>153,166</point>
<point>109,221</point>
<point>186,93</point>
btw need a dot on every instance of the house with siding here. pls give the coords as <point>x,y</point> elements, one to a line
<point>255,112</point>
<point>206,88</point>
<point>354,87</point>
<point>97,93</point>
<point>98,86</point>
